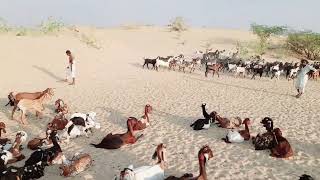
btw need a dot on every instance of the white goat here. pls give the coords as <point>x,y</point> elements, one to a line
<point>155,172</point>
<point>240,70</point>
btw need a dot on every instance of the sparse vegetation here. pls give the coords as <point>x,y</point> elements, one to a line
<point>207,45</point>
<point>178,25</point>
<point>4,27</point>
<point>243,50</point>
<point>305,44</point>
<point>21,31</point>
<point>90,41</point>
<point>51,26</point>
<point>264,34</point>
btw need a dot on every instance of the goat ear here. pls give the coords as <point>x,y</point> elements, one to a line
<point>154,156</point>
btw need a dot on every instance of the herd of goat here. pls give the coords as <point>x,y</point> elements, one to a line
<point>216,62</point>
<point>47,150</point>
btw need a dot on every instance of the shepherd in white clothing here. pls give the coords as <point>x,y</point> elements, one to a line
<point>71,69</point>
<point>302,77</point>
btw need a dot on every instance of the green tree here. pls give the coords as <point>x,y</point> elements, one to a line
<point>264,33</point>
<point>306,44</point>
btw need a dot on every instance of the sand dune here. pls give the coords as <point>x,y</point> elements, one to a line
<point>111,82</point>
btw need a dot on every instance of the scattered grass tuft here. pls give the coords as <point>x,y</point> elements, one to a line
<point>90,41</point>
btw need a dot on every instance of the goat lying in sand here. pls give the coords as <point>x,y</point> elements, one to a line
<point>77,164</point>
<point>227,123</point>
<point>12,151</point>
<point>48,155</point>
<point>282,148</point>
<point>59,122</point>
<point>155,172</point>
<point>61,107</point>
<point>34,171</point>
<point>204,155</point>
<point>3,129</point>
<point>15,98</point>
<point>36,104</point>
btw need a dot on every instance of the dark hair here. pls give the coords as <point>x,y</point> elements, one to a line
<point>68,52</point>
<point>304,60</point>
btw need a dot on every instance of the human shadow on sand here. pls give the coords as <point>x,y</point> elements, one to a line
<point>49,73</point>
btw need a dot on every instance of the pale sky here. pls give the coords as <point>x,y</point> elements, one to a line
<point>238,14</point>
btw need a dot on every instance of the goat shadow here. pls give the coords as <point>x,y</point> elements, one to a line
<point>114,116</point>
<point>49,73</point>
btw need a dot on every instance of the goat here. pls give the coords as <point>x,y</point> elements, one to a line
<point>15,98</point>
<point>12,151</point>
<point>115,141</point>
<point>148,61</point>
<point>34,171</point>
<point>36,104</point>
<point>238,136</point>
<point>78,164</point>
<point>3,141</point>
<point>48,155</point>
<point>204,155</point>
<point>240,70</point>
<point>61,106</point>
<point>265,140</point>
<point>202,123</point>
<point>282,148</point>
<point>155,172</point>
<point>80,124</point>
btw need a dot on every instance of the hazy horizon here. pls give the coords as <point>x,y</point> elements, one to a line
<point>235,14</point>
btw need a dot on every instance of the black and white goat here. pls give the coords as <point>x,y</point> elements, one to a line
<point>80,124</point>
<point>34,171</point>
<point>46,156</point>
<point>203,123</point>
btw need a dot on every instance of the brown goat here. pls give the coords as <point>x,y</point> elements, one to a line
<point>78,164</point>
<point>24,95</point>
<point>283,148</point>
<point>204,155</point>
<point>115,141</point>
<point>3,129</point>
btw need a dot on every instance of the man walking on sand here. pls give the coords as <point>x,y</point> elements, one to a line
<point>302,77</point>
<point>71,69</point>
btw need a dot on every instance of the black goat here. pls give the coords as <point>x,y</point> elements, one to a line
<point>148,61</point>
<point>202,123</point>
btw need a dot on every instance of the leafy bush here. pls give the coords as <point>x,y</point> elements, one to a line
<point>306,44</point>
<point>178,25</point>
<point>51,26</point>
<point>264,33</point>
<point>3,26</point>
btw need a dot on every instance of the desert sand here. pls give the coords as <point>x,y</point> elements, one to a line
<point>111,82</point>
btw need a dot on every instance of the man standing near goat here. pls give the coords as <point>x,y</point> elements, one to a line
<point>71,69</point>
